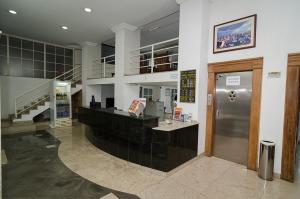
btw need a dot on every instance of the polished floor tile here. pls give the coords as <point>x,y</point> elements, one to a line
<point>203,177</point>
<point>35,171</point>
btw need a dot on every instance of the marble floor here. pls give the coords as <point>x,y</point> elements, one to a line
<point>33,170</point>
<point>202,177</point>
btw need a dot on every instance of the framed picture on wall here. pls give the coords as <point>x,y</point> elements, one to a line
<point>235,35</point>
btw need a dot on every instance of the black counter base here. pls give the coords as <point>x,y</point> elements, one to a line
<point>133,139</point>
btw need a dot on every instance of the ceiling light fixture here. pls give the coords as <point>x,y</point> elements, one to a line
<point>88,9</point>
<point>12,12</point>
<point>65,27</point>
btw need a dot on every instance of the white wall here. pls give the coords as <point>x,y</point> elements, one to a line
<point>193,41</point>
<point>90,52</point>
<point>131,92</point>
<point>127,38</point>
<point>13,87</point>
<point>93,90</point>
<point>107,91</point>
<point>277,35</point>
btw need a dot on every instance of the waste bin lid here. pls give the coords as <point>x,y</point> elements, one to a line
<point>267,143</point>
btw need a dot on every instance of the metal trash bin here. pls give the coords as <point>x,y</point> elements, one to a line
<point>266,160</point>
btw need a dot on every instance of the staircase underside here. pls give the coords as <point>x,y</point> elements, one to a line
<point>27,113</point>
<point>30,111</point>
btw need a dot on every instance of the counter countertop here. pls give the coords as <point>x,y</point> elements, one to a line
<point>122,113</point>
<point>163,126</point>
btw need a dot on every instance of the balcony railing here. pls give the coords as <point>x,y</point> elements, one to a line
<point>158,57</point>
<point>103,67</point>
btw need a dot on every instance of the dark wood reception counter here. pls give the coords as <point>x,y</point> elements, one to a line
<point>139,139</point>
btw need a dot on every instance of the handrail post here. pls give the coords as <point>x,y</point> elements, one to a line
<point>152,58</point>
<point>104,65</point>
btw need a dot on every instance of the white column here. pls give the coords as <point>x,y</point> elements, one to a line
<point>193,45</point>
<point>127,39</point>
<point>90,52</point>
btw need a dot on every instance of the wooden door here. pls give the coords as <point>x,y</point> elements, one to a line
<point>291,118</point>
<point>254,65</point>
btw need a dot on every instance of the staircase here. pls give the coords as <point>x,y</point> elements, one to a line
<point>37,100</point>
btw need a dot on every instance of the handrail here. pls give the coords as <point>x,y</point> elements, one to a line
<point>46,82</point>
<point>74,73</point>
<point>155,44</point>
<point>108,56</point>
<point>104,57</point>
<point>32,105</point>
<point>170,55</point>
<point>102,67</point>
<point>155,56</point>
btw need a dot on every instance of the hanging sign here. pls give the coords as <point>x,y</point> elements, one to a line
<point>233,81</point>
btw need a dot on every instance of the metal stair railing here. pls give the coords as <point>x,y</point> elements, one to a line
<point>34,96</point>
<point>157,57</point>
<point>103,67</point>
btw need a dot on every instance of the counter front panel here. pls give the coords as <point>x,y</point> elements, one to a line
<point>133,138</point>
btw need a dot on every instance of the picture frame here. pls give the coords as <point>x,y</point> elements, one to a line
<point>235,35</point>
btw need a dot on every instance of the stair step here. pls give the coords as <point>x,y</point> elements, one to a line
<point>26,109</point>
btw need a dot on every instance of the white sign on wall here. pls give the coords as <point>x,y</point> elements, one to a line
<point>233,81</point>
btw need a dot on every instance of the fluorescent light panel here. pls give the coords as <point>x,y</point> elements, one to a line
<point>12,12</point>
<point>87,9</point>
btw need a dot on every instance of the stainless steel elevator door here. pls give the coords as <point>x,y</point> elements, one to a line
<point>233,102</point>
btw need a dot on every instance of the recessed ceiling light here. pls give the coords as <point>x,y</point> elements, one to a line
<point>12,12</point>
<point>65,27</point>
<point>88,9</point>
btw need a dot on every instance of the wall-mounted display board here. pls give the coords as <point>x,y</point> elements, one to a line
<point>188,86</point>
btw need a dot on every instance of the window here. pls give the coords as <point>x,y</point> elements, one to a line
<point>28,58</point>
<point>3,55</point>
<point>148,93</point>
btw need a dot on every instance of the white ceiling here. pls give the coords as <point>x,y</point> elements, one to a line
<point>159,30</point>
<point>42,19</point>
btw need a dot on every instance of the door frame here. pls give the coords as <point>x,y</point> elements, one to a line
<point>291,115</point>
<point>256,66</point>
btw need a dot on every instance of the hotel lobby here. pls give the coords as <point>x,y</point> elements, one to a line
<point>161,99</point>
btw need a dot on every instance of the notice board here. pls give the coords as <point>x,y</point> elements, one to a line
<point>188,86</point>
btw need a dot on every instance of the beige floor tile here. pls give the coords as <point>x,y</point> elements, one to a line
<point>136,180</point>
<point>169,189</point>
<point>204,177</point>
<point>279,189</point>
<point>236,182</point>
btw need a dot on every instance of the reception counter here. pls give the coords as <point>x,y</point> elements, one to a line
<point>141,140</point>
